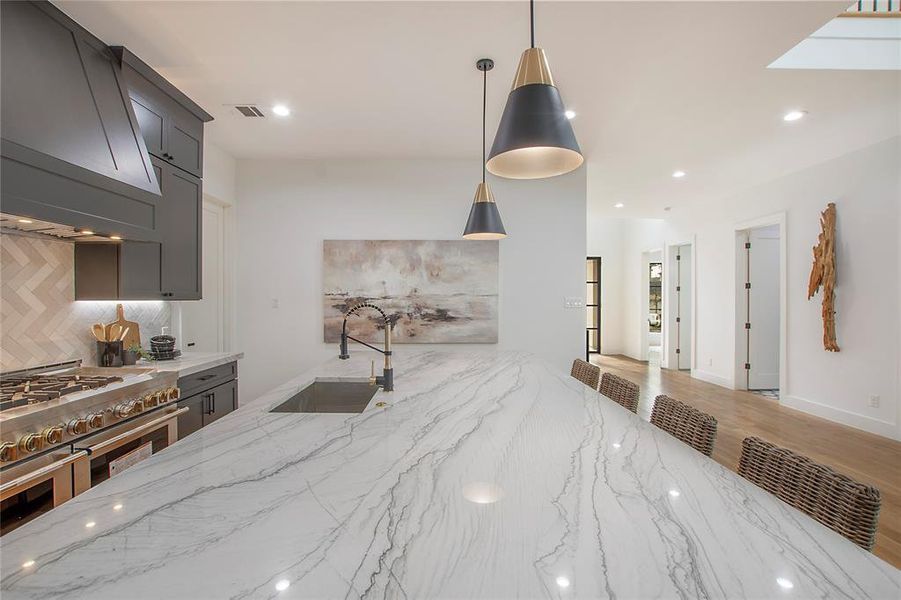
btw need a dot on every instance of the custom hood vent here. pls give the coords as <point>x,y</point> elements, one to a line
<point>72,151</point>
<point>17,224</point>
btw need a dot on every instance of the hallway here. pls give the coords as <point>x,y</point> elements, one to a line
<point>863,456</point>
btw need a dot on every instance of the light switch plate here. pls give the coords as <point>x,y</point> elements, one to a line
<point>573,302</point>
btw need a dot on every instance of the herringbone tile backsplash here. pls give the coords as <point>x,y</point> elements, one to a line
<point>40,322</point>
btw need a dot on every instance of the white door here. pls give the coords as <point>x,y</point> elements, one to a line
<point>683,295</point>
<point>202,321</point>
<point>763,304</point>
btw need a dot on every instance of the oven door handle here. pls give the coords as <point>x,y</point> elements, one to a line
<point>39,473</point>
<point>153,424</point>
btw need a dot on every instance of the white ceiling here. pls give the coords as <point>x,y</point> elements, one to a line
<point>657,86</point>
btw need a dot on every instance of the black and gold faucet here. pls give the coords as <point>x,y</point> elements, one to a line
<point>387,378</point>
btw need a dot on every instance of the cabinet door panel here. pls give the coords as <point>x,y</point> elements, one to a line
<point>184,149</point>
<point>152,124</point>
<point>139,271</point>
<point>180,223</point>
<point>192,420</point>
<point>223,399</point>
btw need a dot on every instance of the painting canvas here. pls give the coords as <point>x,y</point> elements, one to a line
<point>434,291</point>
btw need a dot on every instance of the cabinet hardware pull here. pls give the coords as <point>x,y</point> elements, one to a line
<point>205,377</point>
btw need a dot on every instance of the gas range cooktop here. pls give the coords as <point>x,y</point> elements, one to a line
<point>33,386</point>
<point>16,392</point>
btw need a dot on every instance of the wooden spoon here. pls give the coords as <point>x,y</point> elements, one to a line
<point>115,330</point>
<point>99,333</point>
<point>123,334</point>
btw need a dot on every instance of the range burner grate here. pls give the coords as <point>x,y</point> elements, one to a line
<point>22,391</point>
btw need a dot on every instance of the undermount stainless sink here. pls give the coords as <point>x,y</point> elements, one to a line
<point>330,396</point>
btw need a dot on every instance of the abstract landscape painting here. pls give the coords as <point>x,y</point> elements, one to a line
<point>435,291</point>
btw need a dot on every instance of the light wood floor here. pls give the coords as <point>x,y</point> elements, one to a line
<point>863,456</point>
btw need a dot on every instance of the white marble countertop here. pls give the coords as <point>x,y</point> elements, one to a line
<point>486,475</point>
<point>192,362</point>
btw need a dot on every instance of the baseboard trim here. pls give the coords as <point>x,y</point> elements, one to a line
<point>711,378</point>
<point>842,417</point>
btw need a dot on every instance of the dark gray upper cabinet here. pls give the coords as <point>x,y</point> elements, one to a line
<point>125,271</point>
<point>72,151</point>
<point>181,222</point>
<point>171,123</point>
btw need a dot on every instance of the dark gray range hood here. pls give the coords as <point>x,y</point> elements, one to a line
<point>71,151</point>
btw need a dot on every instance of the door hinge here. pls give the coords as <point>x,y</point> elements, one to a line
<point>678,319</point>
<point>747,245</point>
<point>678,257</point>
<point>747,366</point>
<point>678,351</point>
<point>748,285</point>
<point>747,325</point>
<point>678,288</point>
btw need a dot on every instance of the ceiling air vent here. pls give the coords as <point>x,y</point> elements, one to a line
<point>248,110</point>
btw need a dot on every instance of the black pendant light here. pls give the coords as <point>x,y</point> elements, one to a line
<point>484,219</point>
<point>534,139</point>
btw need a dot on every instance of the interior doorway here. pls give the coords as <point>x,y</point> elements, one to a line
<point>678,314</point>
<point>760,307</point>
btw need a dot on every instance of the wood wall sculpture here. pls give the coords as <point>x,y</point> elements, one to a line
<point>823,274</point>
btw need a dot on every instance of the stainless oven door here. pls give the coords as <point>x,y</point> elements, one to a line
<point>120,447</point>
<point>34,487</point>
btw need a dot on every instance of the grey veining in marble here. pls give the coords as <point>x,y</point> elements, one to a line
<point>486,476</point>
<point>193,362</point>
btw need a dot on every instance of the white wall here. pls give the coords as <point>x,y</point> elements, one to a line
<point>605,239</point>
<point>865,187</point>
<point>286,208</point>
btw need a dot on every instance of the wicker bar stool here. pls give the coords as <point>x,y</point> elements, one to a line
<point>587,373</point>
<point>688,424</point>
<point>622,391</point>
<point>833,499</point>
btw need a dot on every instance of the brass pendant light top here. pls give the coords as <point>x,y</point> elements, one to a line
<point>484,221</point>
<point>534,139</point>
<point>533,68</point>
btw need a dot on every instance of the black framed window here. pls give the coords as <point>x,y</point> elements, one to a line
<point>655,296</point>
<point>593,305</point>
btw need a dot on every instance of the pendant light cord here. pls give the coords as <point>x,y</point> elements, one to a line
<point>532,20</point>
<point>484,104</point>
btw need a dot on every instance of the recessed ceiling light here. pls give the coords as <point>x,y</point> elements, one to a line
<point>281,110</point>
<point>570,114</point>
<point>282,585</point>
<point>27,563</point>
<point>563,582</point>
<point>794,115</point>
<point>784,583</point>
<point>90,524</point>
<point>618,205</point>
<point>26,221</point>
<point>678,174</point>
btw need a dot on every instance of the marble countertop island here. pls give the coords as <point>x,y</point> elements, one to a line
<point>486,475</point>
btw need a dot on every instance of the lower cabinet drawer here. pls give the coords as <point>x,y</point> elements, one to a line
<point>205,380</point>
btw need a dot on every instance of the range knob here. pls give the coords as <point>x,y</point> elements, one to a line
<point>123,409</point>
<point>8,452</point>
<point>172,394</point>
<point>52,435</point>
<point>95,420</point>
<point>151,400</point>
<point>30,442</point>
<point>77,426</point>
<point>137,406</point>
